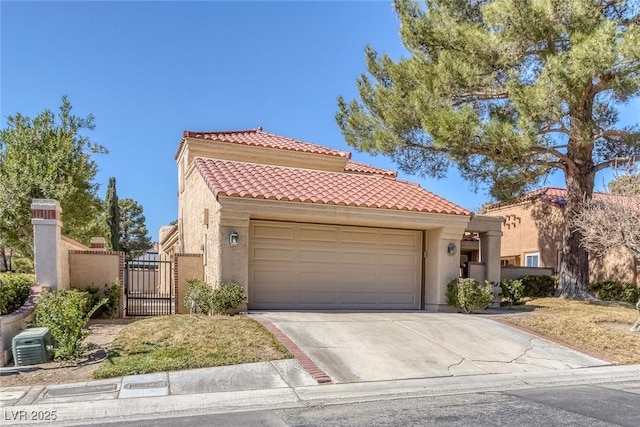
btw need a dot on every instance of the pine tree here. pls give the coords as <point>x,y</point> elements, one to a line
<point>507,91</point>
<point>134,238</point>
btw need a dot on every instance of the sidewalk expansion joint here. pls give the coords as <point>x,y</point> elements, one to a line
<point>305,361</point>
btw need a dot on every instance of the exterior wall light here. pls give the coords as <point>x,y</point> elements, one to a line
<point>233,238</point>
<point>452,249</point>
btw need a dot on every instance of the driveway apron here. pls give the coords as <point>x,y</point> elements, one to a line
<point>354,347</point>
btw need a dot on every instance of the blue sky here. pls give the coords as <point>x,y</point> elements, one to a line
<point>149,70</point>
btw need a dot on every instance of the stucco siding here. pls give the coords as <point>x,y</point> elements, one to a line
<point>199,224</point>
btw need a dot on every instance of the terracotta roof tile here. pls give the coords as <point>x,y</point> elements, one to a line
<point>259,138</point>
<point>554,195</point>
<point>249,180</point>
<point>365,168</point>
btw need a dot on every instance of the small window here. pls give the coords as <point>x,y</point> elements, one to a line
<point>532,259</point>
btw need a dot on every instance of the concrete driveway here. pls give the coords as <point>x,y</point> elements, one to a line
<point>354,347</point>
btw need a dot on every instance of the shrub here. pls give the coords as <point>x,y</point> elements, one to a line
<point>539,286</point>
<point>14,291</point>
<point>199,297</point>
<point>66,313</point>
<point>612,290</point>
<point>469,294</point>
<point>513,290</point>
<point>227,296</point>
<point>112,293</point>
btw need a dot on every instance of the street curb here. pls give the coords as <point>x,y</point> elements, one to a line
<point>87,412</point>
<point>305,361</point>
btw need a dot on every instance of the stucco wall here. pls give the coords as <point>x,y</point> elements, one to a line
<point>538,227</point>
<point>95,268</point>
<point>186,267</point>
<point>529,228</point>
<point>618,265</point>
<point>199,224</point>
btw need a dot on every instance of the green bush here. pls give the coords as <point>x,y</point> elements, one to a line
<point>513,290</point>
<point>539,286</point>
<point>199,297</point>
<point>612,290</point>
<point>112,293</point>
<point>66,313</point>
<point>469,294</point>
<point>14,291</point>
<point>227,296</point>
<point>204,299</point>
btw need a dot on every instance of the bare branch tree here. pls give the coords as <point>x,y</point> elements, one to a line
<point>610,222</point>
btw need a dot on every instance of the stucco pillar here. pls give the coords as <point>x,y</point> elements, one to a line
<point>46,220</point>
<point>234,257</point>
<point>490,255</point>
<point>441,265</point>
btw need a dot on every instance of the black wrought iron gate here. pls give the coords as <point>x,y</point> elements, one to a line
<point>149,288</point>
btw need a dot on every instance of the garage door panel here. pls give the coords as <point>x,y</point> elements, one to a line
<point>272,231</point>
<point>318,234</point>
<point>397,259</point>
<point>316,277</point>
<point>358,236</point>
<point>358,258</point>
<point>264,276</point>
<point>359,298</point>
<point>364,279</point>
<point>320,266</point>
<point>317,256</point>
<point>320,297</point>
<point>397,298</point>
<point>400,238</point>
<point>273,254</point>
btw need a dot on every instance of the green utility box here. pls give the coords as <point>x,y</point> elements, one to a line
<point>32,346</point>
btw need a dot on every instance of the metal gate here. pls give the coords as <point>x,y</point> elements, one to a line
<point>148,288</point>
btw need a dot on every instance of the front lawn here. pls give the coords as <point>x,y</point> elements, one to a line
<point>177,342</point>
<point>600,328</point>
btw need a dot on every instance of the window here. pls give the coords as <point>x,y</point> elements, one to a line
<point>532,259</point>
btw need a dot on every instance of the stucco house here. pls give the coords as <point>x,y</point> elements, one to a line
<point>302,226</point>
<point>532,237</point>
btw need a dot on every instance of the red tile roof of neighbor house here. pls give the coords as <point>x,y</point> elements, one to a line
<point>257,181</point>
<point>258,137</point>
<point>549,194</point>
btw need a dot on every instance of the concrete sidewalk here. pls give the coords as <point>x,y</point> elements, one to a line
<point>267,385</point>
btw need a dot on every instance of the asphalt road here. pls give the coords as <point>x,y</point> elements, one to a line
<point>614,404</point>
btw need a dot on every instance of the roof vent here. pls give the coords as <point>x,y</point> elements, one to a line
<point>259,129</point>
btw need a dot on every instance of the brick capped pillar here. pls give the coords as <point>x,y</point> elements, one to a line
<point>98,243</point>
<point>46,220</point>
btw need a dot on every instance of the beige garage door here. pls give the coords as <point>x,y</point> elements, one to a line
<point>309,266</point>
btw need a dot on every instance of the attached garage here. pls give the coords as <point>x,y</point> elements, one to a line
<point>300,266</point>
<point>301,226</point>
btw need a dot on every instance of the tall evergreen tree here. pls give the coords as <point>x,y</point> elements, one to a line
<point>48,158</point>
<point>508,91</point>
<point>134,238</point>
<point>113,215</point>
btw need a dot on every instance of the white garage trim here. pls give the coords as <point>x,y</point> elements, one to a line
<point>299,266</point>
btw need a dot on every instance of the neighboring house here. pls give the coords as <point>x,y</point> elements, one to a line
<point>302,226</point>
<point>532,237</point>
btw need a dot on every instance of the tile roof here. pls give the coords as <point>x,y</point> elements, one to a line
<point>365,168</point>
<point>257,181</point>
<point>554,195</point>
<point>260,138</point>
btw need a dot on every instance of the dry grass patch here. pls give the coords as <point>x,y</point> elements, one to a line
<point>187,342</point>
<point>600,328</point>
